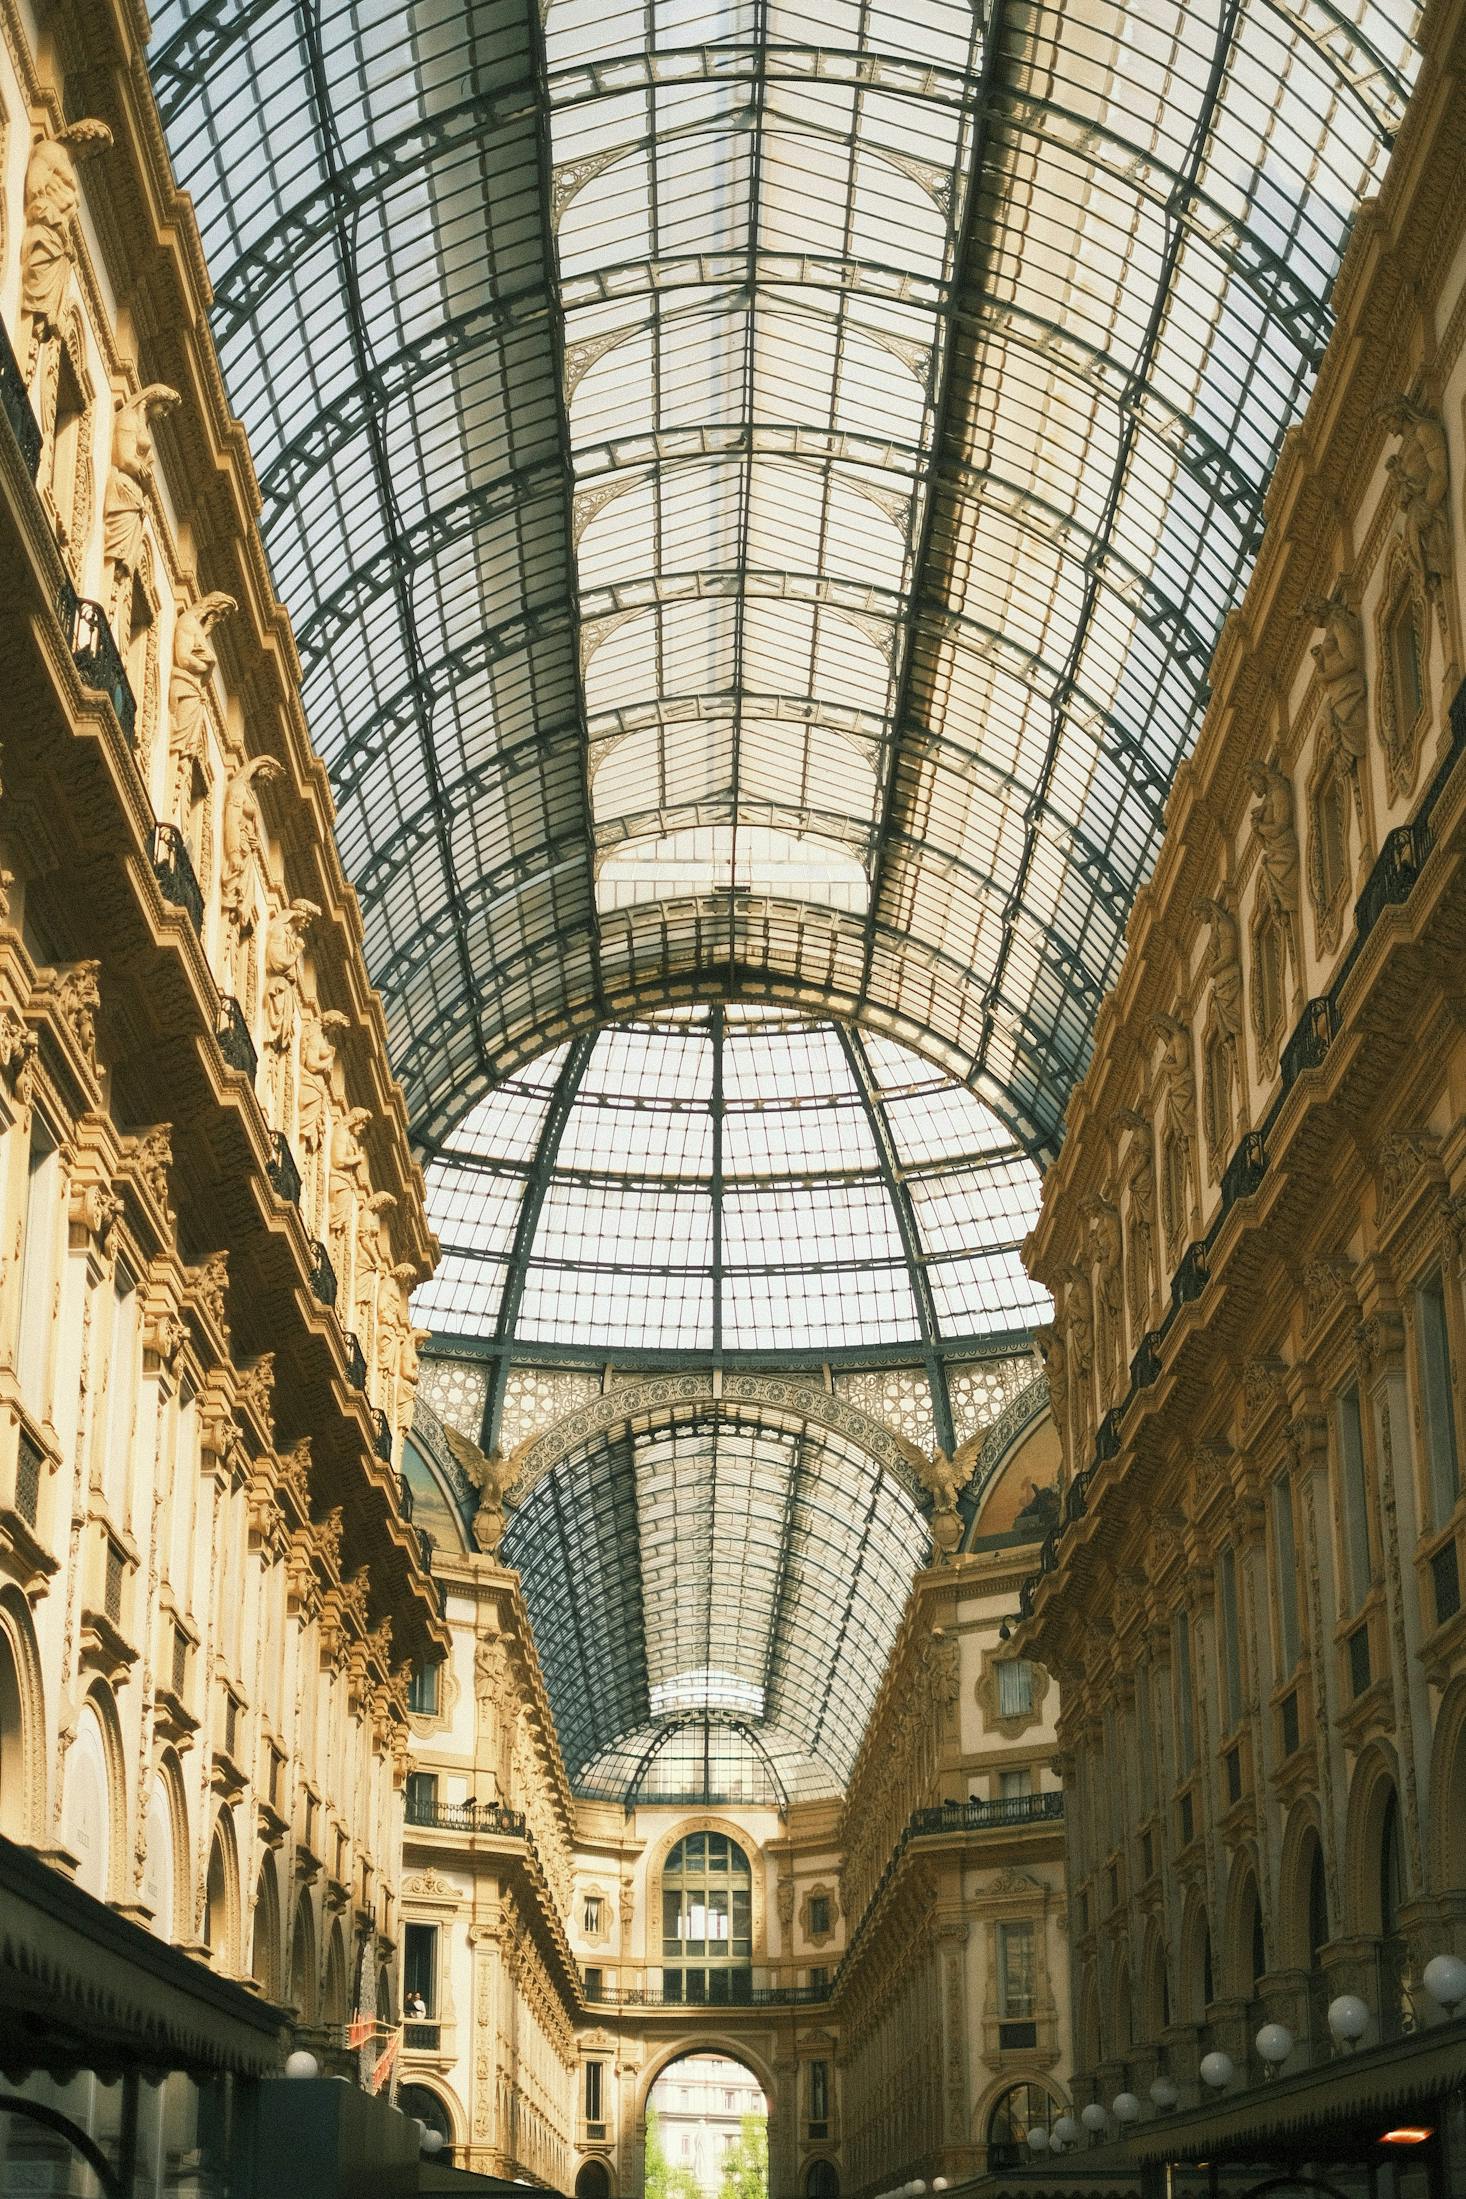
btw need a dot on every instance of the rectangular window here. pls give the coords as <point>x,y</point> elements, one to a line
<point>1012,1785</point>
<point>1440,1418</point>
<point>1231,1637</point>
<point>819,1977</point>
<point>1015,1972</point>
<point>420,1966</point>
<point>819,1914</point>
<point>422,1797</point>
<point>595,2092</point>
<point>591,1916</point>
<point>1353,1499</point>
<point>1445,1579</point>
<point>38,1268</point>
<point>122,1374</point>
<point>1185,1709</point>
<point>422,1690</point>
<point>1285,1567</point>
<point>1143,1737</point>
<point>593,1982</point>
<point>1015,1688</point>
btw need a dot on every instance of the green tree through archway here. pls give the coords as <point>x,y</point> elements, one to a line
<point>664,2179</point>
<point>746,2162</point>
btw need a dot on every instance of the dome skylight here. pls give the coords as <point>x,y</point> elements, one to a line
<point>725,1179</point>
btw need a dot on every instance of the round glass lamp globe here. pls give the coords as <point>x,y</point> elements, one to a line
<point>1164,2093</point>
<point>301,2064</point>
<point>1065,2131</point>
<point>1216,2070</point>
<point>1348,2016</point>
<point>1093,2117</point>
<point>1274,2042</point>
<point>433,2142</point>
<point>1444,1978</point>
<point>1038,2139</point>
<point>1125,2107</point>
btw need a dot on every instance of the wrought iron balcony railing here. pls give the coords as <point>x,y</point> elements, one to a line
<point>382,1436</point>
<point>174,871</point>
<point>473,1817</point>
<point>282,1171</point>
<point>355,1360</point>
<point>16,405</point>
<point>96,654</point>
<point>233,1034</point>
<point>324,1285</point>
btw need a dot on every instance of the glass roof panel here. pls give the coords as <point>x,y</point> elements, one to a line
<point>687,597</point>
<point>746,1552</point>
<point>742,1179</point>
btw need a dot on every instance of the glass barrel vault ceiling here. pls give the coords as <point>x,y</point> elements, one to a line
<point>702,1584</point>
<point>731,1180</point>
<point>757,485</point>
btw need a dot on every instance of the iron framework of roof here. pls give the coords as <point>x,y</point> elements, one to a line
<point>757,489</point>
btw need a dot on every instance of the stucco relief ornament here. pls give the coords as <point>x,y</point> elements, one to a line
<point>78,997</point>
<point>1277,837</point>
<point>194,665</point>
<point>129,486</point>
<point>210,1285</point>
<point>1420,472</point>
<point>17,1054</point>
<point>944,1482</point>
<point>153,1159</point>
<point>48,244</point>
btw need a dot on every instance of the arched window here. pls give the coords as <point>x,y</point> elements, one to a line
<point>821,2181</point>
<point>707,1920</point>
<point>593,2181</point>
<point>421,2102</point>
<point>20,1767</point>
<point>264,1961</point>
<point>303,1962</point>
<point>1023,2107</point>
<point>221,1900</point>
<point>333,1983</point>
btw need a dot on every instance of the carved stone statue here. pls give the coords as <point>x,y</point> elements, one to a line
<point>52,201</point>
<point>1140,1268</point>
<point>128,487</point>
<point>1224,961</point>
<point>1079,1307</point>
<point>1339,656</point>
<point>243,834</point>
<point>194,664</point>
<point>1272,821</point>
<point>1107,1251</point>
<point>1420,472</point>
<point>944,1482</point>
<point>320,1079</point>
<point>491,1475</point>
<point>1048,1347</point>
<point>349,1179</point>
<point>1178,1077</point>
<point>284,948</point>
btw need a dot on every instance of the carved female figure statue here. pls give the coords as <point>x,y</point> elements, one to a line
<point>1339,655</point>
<point>1178,1081</point>
<point>52,201</point>
<point>1272,821</point>
<point>194,664</point>
<point>1420,471</point>
<point>1140,1268</point>
<point>244,831</point>
<point>1105,1246</point>
<point>1224,960</point>
<point>284,949</point>
<point>349,1180</point>
<point>1079,1306</point>
<point>124,513</point>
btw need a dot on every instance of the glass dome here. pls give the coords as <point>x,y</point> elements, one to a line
<point>731,1179</point>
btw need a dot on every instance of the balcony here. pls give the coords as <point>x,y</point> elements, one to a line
<point>96,654</point>
<point>382,1436</point>
<point>177,881</point>
<point>324,1285</point>
<point>739,1991</point>
<point>16,405</point>
<point>281,1169</point>
<point>1245,1170</point>
<point>470,1817</point>
<point>235,1043</point>
<point>1311,1040</point>
<point>978,1815</point>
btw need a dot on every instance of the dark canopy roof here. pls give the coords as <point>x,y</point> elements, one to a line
<point>757,484</point>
